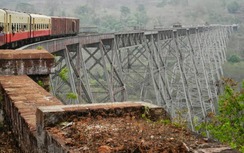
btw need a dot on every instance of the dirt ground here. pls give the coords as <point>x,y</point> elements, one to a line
<point>125,135</point>
<point>7,142</point>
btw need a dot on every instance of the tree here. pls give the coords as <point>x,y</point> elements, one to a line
<point>223,3</point>
<point>25,7</point>
<point>227,125</point>
<point>141,16</point>
<point>124,11</point>
<point>109,24</point>
<point>162,3</point>
<point>53,7</point>
<point>124,16</point>
<point>82,10</point>
<point>233,7</point>
<point>85,14</point>
<point>174,2</point>
<point>234,59</point>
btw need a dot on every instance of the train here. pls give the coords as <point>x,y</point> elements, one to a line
<point>20,28</point>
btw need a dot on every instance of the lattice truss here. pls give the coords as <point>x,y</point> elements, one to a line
<point>185,67</point>
<point>178,69</point>
<point>88,74</point>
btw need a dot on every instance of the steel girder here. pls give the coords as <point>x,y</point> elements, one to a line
<point>185,67</point>
<point>178,69</point>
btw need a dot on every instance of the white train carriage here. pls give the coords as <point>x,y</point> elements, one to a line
<point>17,27</point>
<point>40,26</point>
<point>2,27</point>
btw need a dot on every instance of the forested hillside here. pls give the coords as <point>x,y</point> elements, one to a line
<point>121,15</point>
<point>115,15</point>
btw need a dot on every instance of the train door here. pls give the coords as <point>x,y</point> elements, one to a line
<point>28,26</point>
<point>10,29</point>
<point>33,27</point>
<point>49,27</point>
<point>73,26</point>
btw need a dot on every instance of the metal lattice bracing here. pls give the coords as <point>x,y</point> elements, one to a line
<point>177,68</point>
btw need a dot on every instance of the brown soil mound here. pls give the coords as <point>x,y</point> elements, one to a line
<point>125,135</point>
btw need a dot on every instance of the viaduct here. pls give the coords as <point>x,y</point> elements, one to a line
<point>173,72</point>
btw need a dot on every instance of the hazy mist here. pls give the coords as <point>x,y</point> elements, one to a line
<point>121,14</point>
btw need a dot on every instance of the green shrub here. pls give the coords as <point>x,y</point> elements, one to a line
<point>233,7</point>
<point>71,96</point>
<point>40,83</point>
<point>227,125</point>
<point>234,59</point>
<point>63,74</point>
<point>39,48</point>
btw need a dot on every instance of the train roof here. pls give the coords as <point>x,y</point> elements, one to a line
<point>56,17</point>
<point>1,10</point>
<point>39,16</point>
<point>15,12</point>
<point>71,18</point>
<point>63,17</point>
<point>2,13</point>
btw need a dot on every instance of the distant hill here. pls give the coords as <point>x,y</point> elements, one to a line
<point>158,12</point>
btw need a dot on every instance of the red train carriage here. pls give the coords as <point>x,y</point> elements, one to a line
<point>58,26</point>
<point>17,28</point>
<point>72,26</point>
<point>63,26</point>
<point>40,26</point>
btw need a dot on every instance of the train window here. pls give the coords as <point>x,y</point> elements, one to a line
<point>1,27</point>
<point>13,28</point>
<point>18,27</point>
<point>24,27</point>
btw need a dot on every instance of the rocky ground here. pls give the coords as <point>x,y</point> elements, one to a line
<point>129,135</point>
<point>7,142</point>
